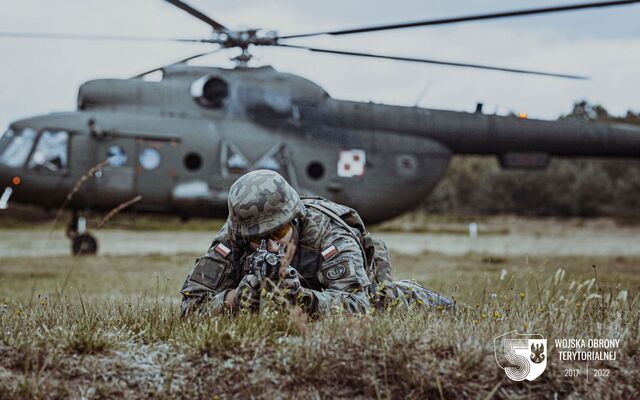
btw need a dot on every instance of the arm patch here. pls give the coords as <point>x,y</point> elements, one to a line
<point>336,269</point>
<point>335,272</point>
<point>208,272</point>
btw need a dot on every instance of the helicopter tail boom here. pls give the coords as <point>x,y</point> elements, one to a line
<point>482,134</point>
<point>502,136</point>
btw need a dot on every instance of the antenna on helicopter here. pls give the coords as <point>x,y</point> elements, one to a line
<point>423,93</point>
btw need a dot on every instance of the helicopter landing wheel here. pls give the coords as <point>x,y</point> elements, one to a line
<point>82,242</point>
<point>84,245</point>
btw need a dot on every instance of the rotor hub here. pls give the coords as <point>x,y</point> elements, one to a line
<point>244,38</point>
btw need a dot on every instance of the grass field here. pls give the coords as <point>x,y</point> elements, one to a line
<point>110,327</point>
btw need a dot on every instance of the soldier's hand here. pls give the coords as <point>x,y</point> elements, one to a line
<point>247,294</point>
<point>290,283</point>
<point>290,251</point>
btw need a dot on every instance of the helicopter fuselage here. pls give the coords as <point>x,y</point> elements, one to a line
<point>181,142</point>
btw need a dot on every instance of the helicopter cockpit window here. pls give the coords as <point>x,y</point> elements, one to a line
<point>149,158</point>
<point>116,156</point>
<point>51,151</point>
<point>16,147</point>
<point>5,138</point>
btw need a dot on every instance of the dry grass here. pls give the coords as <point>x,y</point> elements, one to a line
<point>109,327</point>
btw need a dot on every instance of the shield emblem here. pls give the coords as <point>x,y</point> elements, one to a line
<point>538,358</point>
<point>524,356</point>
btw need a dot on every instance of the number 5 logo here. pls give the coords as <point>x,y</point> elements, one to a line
<point>523,356</point>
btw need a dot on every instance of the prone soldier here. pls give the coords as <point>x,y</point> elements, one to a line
<point>325,257</point>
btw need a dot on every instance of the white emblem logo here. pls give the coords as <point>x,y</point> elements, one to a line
<point>523,356</point>
<point>351,163</point>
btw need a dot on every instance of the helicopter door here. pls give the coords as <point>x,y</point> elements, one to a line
<point>155,171</point>
<point>114,183</point>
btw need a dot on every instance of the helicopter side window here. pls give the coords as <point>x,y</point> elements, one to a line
<point>15,147</point>
<point>51,151</point>
<point>149,158</point>
<point>193,161</point>
<point>237,163</point>
<point>116,156</point>
<point>270,163</point>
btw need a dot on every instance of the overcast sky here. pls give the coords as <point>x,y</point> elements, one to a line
<point>39,76</point>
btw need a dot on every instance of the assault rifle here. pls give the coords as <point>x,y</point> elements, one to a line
<point>266,266</point>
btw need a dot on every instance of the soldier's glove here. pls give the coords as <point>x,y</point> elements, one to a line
<point>294,293</point>
<point>247,294</point>
<point>290,283</point>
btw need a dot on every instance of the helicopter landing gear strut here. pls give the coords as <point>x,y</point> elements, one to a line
<point>82,242</point>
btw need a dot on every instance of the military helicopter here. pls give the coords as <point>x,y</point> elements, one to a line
<point>176,145</point>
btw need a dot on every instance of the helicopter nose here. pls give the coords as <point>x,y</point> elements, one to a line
<point>9,183</point>
<point>15,147</point>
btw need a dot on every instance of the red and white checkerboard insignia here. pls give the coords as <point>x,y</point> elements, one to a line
<point>222,250</point>
<point>329,252</point>
<point>351,163</point>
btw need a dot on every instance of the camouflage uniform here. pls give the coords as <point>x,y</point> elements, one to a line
<point>338,279</point>
<point>339,264</point>
<point>385,292</point>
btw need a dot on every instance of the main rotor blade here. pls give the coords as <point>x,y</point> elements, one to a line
<point>184,60</point>
<point>70,36</point>
<point>201,16</point>
<point>478,17</point>
<point>439,62</point>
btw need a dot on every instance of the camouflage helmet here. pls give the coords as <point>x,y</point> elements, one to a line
<point>262,201</point>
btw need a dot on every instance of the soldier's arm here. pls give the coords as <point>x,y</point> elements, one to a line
<point>211,277</point>
<point>342,275</point>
